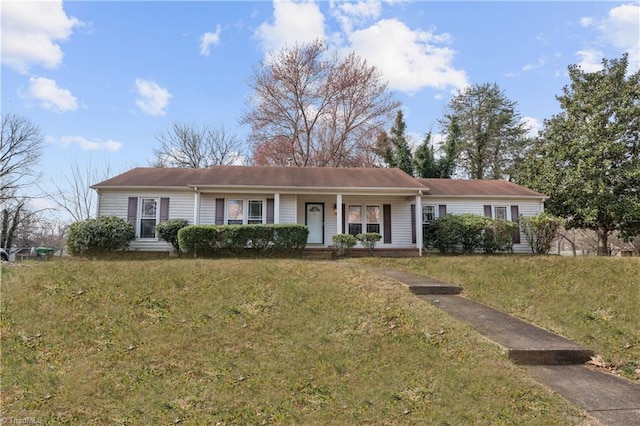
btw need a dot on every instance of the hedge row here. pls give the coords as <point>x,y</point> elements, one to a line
<point>468,233</point>
<point>216,240</point>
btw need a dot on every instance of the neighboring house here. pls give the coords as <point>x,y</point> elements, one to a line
<point>328,200</point>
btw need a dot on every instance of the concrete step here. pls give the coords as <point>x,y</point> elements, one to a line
<point>421,285</point>
<point>524,343</point>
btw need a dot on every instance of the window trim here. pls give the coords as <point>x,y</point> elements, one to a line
<point>141,217</point>
<point>366,218</point>
<point>507,213</point>
<point>364,222</point>
<point>349,223</point>
<point>245,210</point>
<point>434,211</point>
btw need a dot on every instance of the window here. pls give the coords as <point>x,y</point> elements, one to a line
<point>373,219</point>
<point>428,214</point>
<point>148,217</point>
<point>354,218</point>
<point>500,212</point>
<point>245,212</point>
<point>255,211</point>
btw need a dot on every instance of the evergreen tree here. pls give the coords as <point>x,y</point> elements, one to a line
<point>425,162</point>
<point>587,159</point>
<point>394,147</point>
<point>491,132</point>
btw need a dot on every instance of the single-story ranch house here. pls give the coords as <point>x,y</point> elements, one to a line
<point>328,200</point>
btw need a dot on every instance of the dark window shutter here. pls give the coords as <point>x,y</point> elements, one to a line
<point>270,210</point>
<point>164,209</point>
<point>487,211</point>
<point>132,212</point>
<point>344,220</point>
<point>442,210</point>
<point>386,218</point>
<point>219,211</point>
<point>515,217</point>
<point>413,223</point>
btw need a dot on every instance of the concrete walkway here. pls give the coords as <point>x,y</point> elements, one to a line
<point>552,360</point>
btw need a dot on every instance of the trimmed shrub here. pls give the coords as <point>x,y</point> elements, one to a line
<point>369,240</point>
<point>291,238</point>
<point>168,231</point>
<point>444,234</point>
<point>343,243</point>
<point>100,236</point>
<point>213,240</point>
<point>540,231</point>
<point>498,236</point>
<point>471,231</point>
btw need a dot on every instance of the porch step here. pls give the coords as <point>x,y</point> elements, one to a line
<point>421,285</point>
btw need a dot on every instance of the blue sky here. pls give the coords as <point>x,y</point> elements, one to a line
<point>102,79</point>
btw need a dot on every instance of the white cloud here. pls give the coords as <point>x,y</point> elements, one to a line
<point>294,22</point>
<point>540,63</point>
<point>31,32</point>
<point>152,98</point>
<point>533,124</point>
<point>621,28</point>
<point>410,60</point>
<point>209,39</point>
<point>50,96</point>
<point>89,145</point>
<point>591,60</point>
<point>349,14</point>
<point>586,21</point>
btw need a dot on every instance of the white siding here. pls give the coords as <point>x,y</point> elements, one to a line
<point>288,208</point>
<point>208,209</point>
<point>116,203</point>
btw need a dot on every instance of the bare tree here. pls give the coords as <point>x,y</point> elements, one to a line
<point>314,108</point>
<point>192,146</point>
<point>74,195</point>
<point>20,151</point>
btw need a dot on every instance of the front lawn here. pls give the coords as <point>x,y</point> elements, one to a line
<point>247,342</point>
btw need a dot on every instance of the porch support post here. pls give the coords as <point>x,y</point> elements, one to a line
<point>276,208</point>
<point>339,229</point>
<point>196,207</point>
<point>419,222</point>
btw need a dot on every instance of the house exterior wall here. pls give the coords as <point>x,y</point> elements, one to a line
<point>400,216</point>
<point>116,203</point>
<point>526,207</point>
<point>292,209</point>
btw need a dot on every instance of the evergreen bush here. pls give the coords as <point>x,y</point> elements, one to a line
<point>99,236</point>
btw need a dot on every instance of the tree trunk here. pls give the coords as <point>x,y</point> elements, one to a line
<point>603,242</point>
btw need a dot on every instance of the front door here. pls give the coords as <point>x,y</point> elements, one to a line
<point>315,223</point>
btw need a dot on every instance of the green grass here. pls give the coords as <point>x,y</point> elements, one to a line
<point>247,342</point>
<point>590,300</point>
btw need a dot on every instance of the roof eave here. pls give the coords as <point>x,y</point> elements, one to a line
<point>534,197</point>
